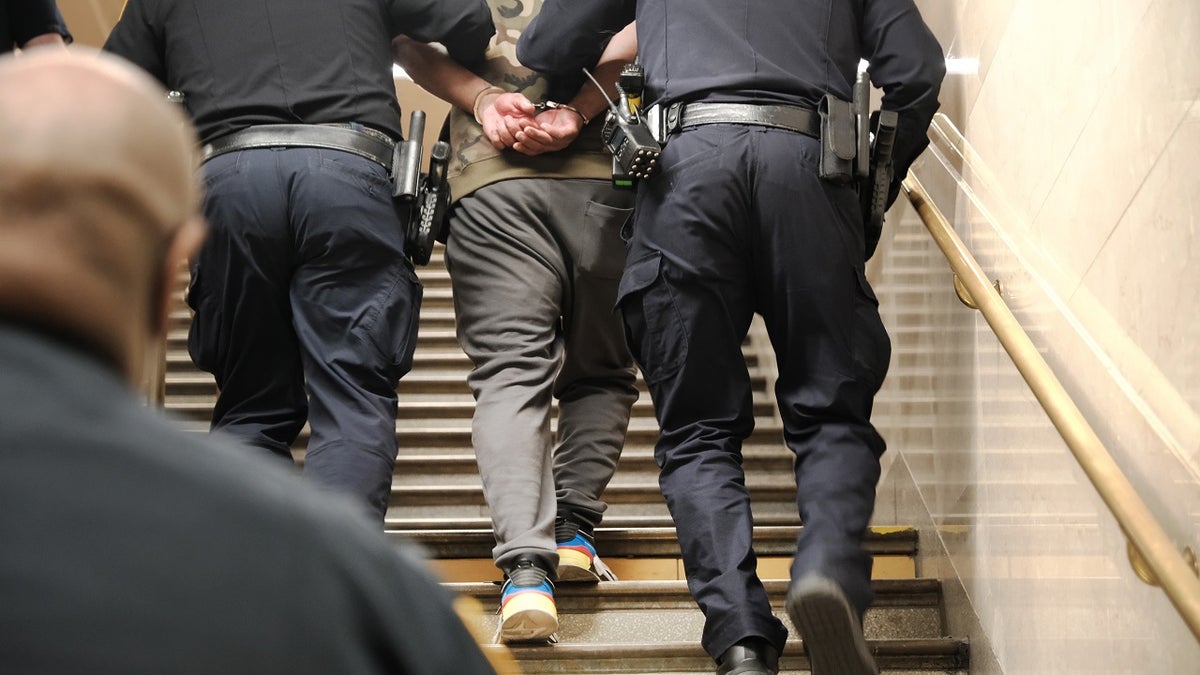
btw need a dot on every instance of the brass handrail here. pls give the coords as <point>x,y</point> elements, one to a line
<point>1146,536</point>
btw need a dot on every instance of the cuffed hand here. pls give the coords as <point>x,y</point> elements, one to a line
<point>554,130</point>
<point>504,117</point>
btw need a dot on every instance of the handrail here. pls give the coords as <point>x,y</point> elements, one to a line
<point>1145,534</point>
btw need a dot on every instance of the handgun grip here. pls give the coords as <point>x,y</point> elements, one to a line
<point>862,126</point>
<point>406,163</point>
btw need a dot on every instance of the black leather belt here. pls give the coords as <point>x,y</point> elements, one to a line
<point>367,143</point>
<point>790,117</point>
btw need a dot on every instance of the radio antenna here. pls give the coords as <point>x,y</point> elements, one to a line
<point>613,106</point>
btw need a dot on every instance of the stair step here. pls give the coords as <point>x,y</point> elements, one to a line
<point>895,657</point>
<point>457,434</point>
<point>663,612</point>
<point>460,468</point>
<point>192,382</point>
<point>179,360</point>
<point>762,490</point>
<point>199,406</point>
<point>426,339</point>
<point>404,526</point>
<point>641,541</point>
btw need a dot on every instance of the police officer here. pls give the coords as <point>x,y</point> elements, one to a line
<point>31,23</point>
<point>302,281</point>
<point>739,221</point>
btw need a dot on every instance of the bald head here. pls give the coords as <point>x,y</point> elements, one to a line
<point>90,117</point>
<point>97,177</point>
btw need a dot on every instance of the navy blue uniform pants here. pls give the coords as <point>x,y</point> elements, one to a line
<point>737,223</point>
<point>306,310</point>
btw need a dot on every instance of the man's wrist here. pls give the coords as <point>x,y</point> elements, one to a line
<point>564,106</point>
<point>482,100</point>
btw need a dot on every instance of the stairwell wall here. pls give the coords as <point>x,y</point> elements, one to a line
<point>1082,202</point>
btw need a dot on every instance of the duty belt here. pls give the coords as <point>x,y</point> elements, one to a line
<point>790,117</point>
<point>368,143</point>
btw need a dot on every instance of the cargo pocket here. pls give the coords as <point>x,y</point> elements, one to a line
<point>392,326</point>
<point>654,329</point>
<point>601,251</point>
<point>872,348</point>
<point>205,333</point>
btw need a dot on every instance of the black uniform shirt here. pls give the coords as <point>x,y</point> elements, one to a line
<point>242,63</point>
<point>762,51</point>
<point>21,20</point>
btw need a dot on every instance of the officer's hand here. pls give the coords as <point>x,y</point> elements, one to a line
<point>555,130</point>
<point>504,117</point>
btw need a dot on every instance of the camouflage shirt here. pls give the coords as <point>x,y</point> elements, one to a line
<point>474,162</point>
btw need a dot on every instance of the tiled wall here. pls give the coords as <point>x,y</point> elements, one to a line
<point>1084,203</point>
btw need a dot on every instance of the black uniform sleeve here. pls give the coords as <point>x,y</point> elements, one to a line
<point>907,62</point>
<point>464,27</point>
<point>568,35</point>
<point>136,38</point>
<point>31,18</point>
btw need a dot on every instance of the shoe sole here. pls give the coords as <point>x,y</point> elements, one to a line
<point>832,635</point>
<point>529,619</point>
<point>528,626</point>
<point>576,567</point>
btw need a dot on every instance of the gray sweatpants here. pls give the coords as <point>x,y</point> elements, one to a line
<point>534,265</point>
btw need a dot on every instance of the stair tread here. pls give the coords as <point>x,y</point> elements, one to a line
<point>571,598</point>
<point>641,541</point>
<point>894,656</point>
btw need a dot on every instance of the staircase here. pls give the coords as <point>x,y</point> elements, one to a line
<point>647,621</point>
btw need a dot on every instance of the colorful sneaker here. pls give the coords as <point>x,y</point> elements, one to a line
<point>578,562</point>
<point>527,609</point>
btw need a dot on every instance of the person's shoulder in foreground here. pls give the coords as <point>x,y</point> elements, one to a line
<point>134,546</point>
<point>130,545</point>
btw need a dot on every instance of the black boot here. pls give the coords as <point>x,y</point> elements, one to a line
<point>752,656</point>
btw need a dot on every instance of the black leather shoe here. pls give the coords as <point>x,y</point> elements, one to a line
<point>749,657</point>
<point>830,627</point>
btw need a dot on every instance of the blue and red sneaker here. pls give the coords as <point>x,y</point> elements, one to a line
<point>527,609</point>
<point>578,562</point>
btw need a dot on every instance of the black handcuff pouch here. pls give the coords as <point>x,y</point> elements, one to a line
<point>839,141</point>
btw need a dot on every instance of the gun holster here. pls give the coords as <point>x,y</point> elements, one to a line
<point>873,192</point>
<point>423,198</point>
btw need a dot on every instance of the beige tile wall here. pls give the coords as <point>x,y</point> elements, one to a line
<point>1085,118</point>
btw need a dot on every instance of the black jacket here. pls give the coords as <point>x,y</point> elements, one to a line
<point>242,63</point>
<point>21,20</point>
<point>131,546</point>
<point>764,51</point>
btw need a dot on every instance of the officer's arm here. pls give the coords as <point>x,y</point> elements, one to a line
<point>621,50</point>
<point>136,39</point>
<point>558,128</point>
<point>502,115</point>
<point>464,27</point>
<point>567,35</point>
<point>907,62</point>
<point>37,23</point>
<point>435,72</point>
